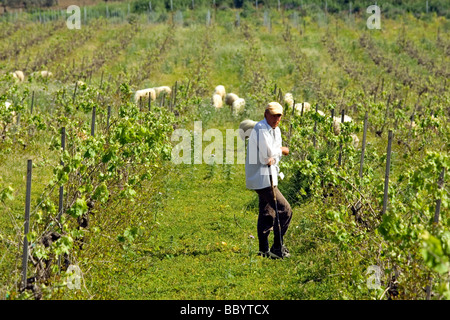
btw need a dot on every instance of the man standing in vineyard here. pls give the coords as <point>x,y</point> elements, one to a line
<point>264,152</point>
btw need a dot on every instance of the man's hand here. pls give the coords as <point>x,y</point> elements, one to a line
<point>285,151</point>
<point>271,161</point>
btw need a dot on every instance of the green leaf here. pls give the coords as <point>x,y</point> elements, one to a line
<point>101,193</point>
<point>78,209</point>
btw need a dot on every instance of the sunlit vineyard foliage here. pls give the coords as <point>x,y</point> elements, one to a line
<point>139,226</point>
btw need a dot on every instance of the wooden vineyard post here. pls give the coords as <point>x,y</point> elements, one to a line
<point>162,101</point>
<point>108,117</point>
<point>32,102</point>
<point>149,103</point>
<point>27,224</point>
<point>93,121</point>
<point>292,118</point>
<point>61,188</point>
<point>174,95</point>
<point>386,177</point>
<point>101,81</point>
<point>340,145</point>
<point>315,127</point>
<point>438,201</point>
<point>363,148</point>
<point>332,121</point>
<point>75,92</point>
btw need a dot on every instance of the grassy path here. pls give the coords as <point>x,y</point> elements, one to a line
<point>204,245</point>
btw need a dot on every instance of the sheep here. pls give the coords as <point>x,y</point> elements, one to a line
<point>238,105</point>
<point>337,128</point>
<point>230,98</point>
<point>145,94</point>
<point>220,90</point>
<point>217,101</point>
<point>355,140</point>
<point>336,123</point>
<point>81,84</point>
<point>159,90</point>
<point>46,74</point>
<point>18,75</point>
<point>245,128</point>
<point>288,99</point>
<point>13,113</point>
<point>306,107</point>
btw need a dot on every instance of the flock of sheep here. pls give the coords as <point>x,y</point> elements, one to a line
<point>219,97</point>
<point>231,99</point>
<point>288,100</point>
<point>237,105</point>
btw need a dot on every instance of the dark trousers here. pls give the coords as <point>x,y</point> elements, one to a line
<point>266,217</point>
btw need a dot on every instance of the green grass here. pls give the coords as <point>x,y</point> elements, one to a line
<point>200,243</point>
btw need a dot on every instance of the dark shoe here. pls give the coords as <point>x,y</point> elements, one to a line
<point>276,253</point>
<point>264,254</point>
<point>279,253</point>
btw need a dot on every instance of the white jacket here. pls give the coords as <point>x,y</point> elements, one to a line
<point>264,143</point>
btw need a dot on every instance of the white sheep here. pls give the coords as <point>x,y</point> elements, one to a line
<point>337,121</point>
<point>245,128</point>
<point>220,90</point>
<point>355,140</point>
<point>81,84</point>
<point>13,113</point>
<point>217,101</point>
<point>230,98</point>
<point>238,105</point>
<point>306,107</point>
<point>159,90</point>
<point>18,75</point>
<point>145,94</point>
<point>46,74</point>
<point>288,99</point>
<point>337,128</point>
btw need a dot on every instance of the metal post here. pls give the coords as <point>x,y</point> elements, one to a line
<point>340,146</point>
<point>61,188</point>
<point>107,118</point>
<point>363,149</point>
<point>315,127</point>
<point>386,177</point>
<point>32,102</point>
<point>93,121</point>
<point>438,201</point>
<point>27,224</point>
